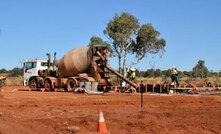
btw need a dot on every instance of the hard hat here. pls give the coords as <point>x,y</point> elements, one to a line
<point>132,69</point>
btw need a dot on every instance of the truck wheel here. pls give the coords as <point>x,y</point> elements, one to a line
<point>33,84</point>
<point>71,85</point>
<point>47,85</point>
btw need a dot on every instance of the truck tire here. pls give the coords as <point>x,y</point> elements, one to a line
<point>33,83</point>
<point>71,85</point>
<point>48,85</point>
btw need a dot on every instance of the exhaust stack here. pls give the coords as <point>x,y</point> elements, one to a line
<point>49,61</point>
<point>54,62</point>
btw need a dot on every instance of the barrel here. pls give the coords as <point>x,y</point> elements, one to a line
<point>75,62</point>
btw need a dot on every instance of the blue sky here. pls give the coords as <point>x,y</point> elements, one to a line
<point>30,29</point>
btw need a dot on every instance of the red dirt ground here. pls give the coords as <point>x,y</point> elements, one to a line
<point>57,112</point>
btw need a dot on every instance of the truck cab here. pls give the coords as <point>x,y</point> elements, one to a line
<point>32,67</point>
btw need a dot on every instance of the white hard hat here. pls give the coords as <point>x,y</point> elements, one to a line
<point>132,69</point>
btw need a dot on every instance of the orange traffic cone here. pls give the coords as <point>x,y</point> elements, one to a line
<point>101,123</point>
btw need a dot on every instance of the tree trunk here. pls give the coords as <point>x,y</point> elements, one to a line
<point>120,69</point>
<point>124,63</point>
<point>136,62</point>
<point>125,58</point>
<point>119,58</point>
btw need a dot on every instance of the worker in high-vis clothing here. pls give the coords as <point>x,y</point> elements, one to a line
<point>132,74</point>
<point>174,76</point>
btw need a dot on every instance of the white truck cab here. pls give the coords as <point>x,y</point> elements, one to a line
<point>31,68</point>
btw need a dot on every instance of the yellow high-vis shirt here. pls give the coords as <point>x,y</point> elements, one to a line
<point>173,72</point>
<point>133,74</point>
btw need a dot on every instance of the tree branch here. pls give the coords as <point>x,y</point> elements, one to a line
<point>128,45</point>
<point>139,59</point>
<point>115,48</point>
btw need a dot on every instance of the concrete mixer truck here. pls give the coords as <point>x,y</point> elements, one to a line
<point>83,64</point>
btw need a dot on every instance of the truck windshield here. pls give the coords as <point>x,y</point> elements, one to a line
<point>30,65</point>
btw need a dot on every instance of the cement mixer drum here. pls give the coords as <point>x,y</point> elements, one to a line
<point>75,62</point>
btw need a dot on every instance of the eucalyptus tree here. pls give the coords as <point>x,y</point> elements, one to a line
<point>128,36</point>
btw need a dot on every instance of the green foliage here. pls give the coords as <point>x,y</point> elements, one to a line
<point>187,73</point>
<point>157,73</point>
<point>214,74</point>
<point>121,28</point>
<point>147,41</point>
<point>98,41</point>
<point>128,36</point>
<point>200,70</point>
<point>167,72</point>
<point>149,73</point>
<point>152,73</point>
<point>15,72</point>
<point>3,71</point>
<point>120,31</point>
<point>139,73</point>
